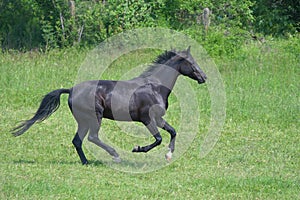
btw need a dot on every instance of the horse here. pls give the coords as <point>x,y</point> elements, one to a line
<point>142,99</point>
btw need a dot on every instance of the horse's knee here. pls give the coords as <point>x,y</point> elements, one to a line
<point>93,139</point>
<point>173,133</point>
<point>171,130</point>
<point>77,142</point>
<point>158,139</point>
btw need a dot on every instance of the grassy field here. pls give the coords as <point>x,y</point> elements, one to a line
<point>256,157</point>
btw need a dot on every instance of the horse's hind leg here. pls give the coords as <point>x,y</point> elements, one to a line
<point>94,138</point>
<point>77,142</point>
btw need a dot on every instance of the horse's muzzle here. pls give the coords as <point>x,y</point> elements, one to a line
<point>201,78</point>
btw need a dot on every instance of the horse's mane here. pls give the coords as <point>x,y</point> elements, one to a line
<point>161,59</point>
<point>164,57</point>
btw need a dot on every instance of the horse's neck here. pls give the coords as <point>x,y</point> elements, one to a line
<point>167,74</point>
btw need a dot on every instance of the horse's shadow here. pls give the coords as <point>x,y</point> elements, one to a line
<point>61,162</point>
<point>21,161</point>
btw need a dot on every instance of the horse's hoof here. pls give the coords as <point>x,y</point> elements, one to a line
<point>169,156</point>
<point>117,159</point>
<point>85,163</point>
<point>136,149</point>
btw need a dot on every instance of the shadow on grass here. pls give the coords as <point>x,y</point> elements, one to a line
<point>24,162</point>
<point>61,162</point>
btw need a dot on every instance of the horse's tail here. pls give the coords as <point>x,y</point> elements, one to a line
<point>49,105</point>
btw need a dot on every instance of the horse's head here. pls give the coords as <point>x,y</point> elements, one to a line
<point>189,67</point>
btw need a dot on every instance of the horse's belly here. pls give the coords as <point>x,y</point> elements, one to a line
<point>120,115</point>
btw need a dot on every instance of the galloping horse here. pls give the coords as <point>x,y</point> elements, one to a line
<point>143,99</point>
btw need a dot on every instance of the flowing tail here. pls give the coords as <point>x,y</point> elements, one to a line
<point>49,105</point>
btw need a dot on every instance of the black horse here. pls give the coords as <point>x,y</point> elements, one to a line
<point>143,99</point>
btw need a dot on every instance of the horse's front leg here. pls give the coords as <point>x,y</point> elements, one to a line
<point>167,127</point>
<point>152,127</point>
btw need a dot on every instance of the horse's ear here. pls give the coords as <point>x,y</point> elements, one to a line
<point>188,50</point>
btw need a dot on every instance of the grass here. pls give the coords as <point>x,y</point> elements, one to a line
<point>256,157</point>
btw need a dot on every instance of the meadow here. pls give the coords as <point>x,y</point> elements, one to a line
<point>256,157</point>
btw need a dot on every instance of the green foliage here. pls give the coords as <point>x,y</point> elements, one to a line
<point>224,43</point>
<point>87,25</point>
<point>277,17</point>
<point>19,26</point>
<point>229,27</point>
<point>28,24</point>
<point>126,15</point>
<point>182,14</point>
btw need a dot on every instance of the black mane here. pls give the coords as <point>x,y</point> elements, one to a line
<point>161,59</point>
<point>164,57</point>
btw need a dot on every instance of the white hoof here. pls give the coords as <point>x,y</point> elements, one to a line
<point>169,156</point>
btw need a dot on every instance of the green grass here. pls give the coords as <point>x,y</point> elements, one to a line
<point>256,157</point>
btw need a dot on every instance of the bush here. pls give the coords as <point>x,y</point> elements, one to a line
<point>27,24</point>
<point>277,17</point>
<point>19,27</point>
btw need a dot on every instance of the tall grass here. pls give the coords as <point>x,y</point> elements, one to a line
<point>257,156</point>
